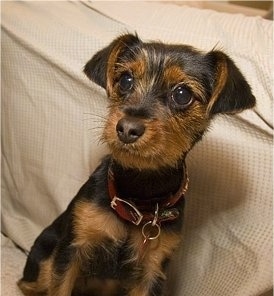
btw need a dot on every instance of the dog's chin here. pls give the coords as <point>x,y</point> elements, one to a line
<point>139,163</point>
<point>131,157</point>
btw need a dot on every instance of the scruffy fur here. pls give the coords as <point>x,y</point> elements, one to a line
<point>161,101</point>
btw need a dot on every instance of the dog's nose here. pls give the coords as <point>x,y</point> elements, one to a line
<point>130,129</point>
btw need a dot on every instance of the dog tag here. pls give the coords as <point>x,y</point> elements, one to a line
<point>169,214</point>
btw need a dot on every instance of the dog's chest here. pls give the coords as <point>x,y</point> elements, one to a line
<point>112,249</point>
<point>127,259</point>
<point>111,260</point>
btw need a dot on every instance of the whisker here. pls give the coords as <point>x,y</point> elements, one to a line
<point>95,114</point>
<point>98,121</point>
<point>93,120</point>
<point>97,138</point>
<point>103,116</point>
<point>96,128</point>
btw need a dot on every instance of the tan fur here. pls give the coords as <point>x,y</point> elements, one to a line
<point>136,67</point>
<point>50,284</point>
<point>174,75</point>
<point>92,224</point>
<point>40,287</point>
<point>221,78</point>
<point>152,256</point>
<point>111,62</point>
<point>164,141</point>
<point>64,284</point>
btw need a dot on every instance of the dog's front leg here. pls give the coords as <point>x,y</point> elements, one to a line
<point>154,261</point>
<point>152,281</point>
<point>65,271</point>
<point>149,287</point>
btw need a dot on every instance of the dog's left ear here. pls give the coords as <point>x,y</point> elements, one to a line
<point>100,68</point>
<point>231,91</point>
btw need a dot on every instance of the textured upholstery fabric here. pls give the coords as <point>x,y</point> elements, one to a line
<point>52,117</point>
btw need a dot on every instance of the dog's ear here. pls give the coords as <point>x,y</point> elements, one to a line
<point>231,92</point>
<point>100,67</point>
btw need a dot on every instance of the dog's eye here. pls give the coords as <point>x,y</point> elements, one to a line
<point>182,96</point>
<point>125,82</point>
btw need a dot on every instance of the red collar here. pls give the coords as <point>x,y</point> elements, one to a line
<point>128,211</point>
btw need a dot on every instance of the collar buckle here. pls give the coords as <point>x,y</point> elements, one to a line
<point>126,210</point>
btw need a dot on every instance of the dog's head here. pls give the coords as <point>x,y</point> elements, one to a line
<point>162,98</point>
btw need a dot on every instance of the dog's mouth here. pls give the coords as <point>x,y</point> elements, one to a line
<point>141,143</point>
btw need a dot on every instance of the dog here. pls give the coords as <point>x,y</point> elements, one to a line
<point>119,232</point>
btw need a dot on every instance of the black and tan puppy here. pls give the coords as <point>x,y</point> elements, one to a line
<point>117,235</point>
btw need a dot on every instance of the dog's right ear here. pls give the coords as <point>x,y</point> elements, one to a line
<point>101,66</point>
<point>232,93</point>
